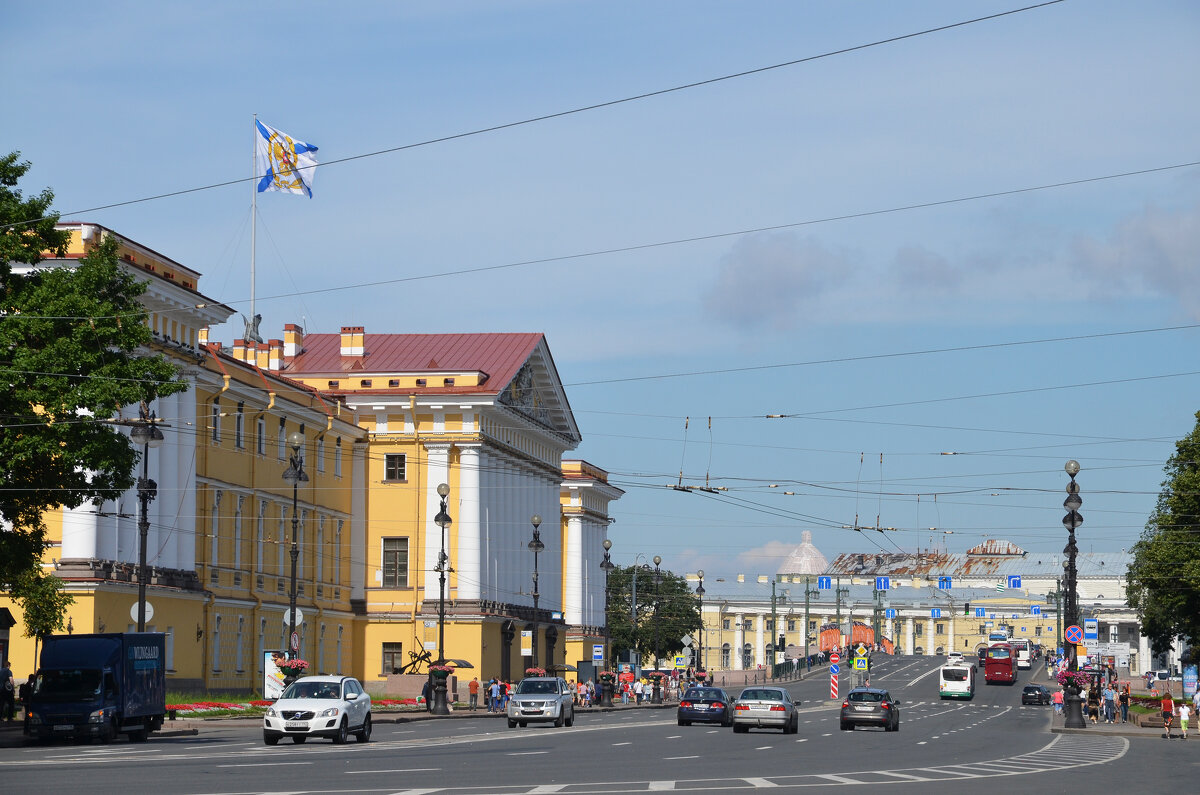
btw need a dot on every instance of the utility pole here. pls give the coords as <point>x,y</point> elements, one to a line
<point>774,630</point>
<point>807,598</point>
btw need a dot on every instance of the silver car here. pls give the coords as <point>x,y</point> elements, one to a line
<point>541,699</point>
<point>765,707</point>
<point>320,706</point>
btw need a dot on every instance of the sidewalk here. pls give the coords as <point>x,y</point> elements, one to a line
<point>1102,729</point>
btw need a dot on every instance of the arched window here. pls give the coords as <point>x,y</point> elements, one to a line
<point>725,654</point>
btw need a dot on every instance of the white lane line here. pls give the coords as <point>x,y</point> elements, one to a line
<point>666,758</point>
<point>266,764</point>
<point>921,743</point>
<point>827,734</point>
<point>394,770</point>
<point>615,744</point>
<point>759,783</point>
<point>526,753</point>
<point>547,788</point>
<point>713,731</point>
<point>764,748</point>
<point>802,740</point>
<point>674,736</point>
<point>661,786</point>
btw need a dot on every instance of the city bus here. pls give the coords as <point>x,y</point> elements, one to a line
<point>1000,665</point>
<point>998,636</point>
<point>1024,649</point>
<point>957,680</point>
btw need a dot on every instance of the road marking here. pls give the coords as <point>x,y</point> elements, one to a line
<point>759,783</point>
<point>526,753</point>
<point>764,748</point>
<point>661,786</point>
<point>547,788</point>
<point>921,743</point>
<point>666,758</point>
<point>802,740</point>
<point>615,744</point>
<point>674,736</point>
<point>265,764</point>
<point>395,770</point>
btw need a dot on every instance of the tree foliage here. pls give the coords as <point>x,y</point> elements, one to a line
<point>43,603</point>
<point>72,354</point>
<point>671,605</point>
<point>1163,581</point>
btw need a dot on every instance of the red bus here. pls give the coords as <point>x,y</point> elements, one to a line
<point>1000,665</point>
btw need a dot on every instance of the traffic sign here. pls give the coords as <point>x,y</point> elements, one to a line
<point>133,611</point>
<point>835,669</point>
<point>835,658</point>
<point>825,583</point>
<point>597,652</point>
<point>860,663</point>
<point>1074,634</point>
<point>1035,610</point>
<point>980,612</point>
<point>287,616</point>
<point>944,583</point>
<point>1014,581</point>
<point>890,612</point>
<point>1091,629</point>
<point>833,686</point>
<point>860,650</point>
<point>295,641</point>
<point>935,612</point>
<point>883,583</point>
<point>680,661</point>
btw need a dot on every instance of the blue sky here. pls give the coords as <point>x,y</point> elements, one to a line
<point>839,322</point>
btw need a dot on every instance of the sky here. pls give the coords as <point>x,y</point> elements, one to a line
<point>806,240</point>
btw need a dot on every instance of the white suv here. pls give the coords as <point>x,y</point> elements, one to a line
<point>541,699</point>
<point>320,706</point>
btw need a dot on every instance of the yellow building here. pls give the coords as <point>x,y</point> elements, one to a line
<point>385,419</point>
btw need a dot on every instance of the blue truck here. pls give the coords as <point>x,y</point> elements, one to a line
<point>99,686</point>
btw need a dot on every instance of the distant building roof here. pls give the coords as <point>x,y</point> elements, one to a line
<point>805,559</point>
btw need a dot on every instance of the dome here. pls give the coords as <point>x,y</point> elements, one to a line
<point>805,559</point>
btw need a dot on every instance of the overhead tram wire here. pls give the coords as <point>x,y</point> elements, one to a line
<point>573,111</point>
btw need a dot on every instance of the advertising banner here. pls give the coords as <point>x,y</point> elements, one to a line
<point>272,676</point>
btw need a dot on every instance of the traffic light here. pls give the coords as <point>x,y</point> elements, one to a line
<point>966,608</point>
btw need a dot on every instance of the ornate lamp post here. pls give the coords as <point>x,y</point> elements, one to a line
<point>147,435</point>
<point>703,633</point>
<point>442,520</point>
<point>537,546</point>
<point>295,475</point>
<point>606,687</point>
<point>1073,703</point>
<point>656,693</point>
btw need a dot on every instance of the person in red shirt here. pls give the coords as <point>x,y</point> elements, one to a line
<point>1168,712</point>
<point>473,689</point>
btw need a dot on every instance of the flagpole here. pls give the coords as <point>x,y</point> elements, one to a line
<point>253,207</point>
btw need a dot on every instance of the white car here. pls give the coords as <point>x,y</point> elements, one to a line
<point>541,699</point>
<point>320,706</point>
<point>954,657</point>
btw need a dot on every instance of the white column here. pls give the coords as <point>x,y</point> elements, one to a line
<point>467,522</point>
<point>950,639</point>
<point>738,641</point>
<point>438,472</point>
<point>759,622</point>
<point>170,487</point>
<point>573,576</point>
<point>185,456</point>
<point>909,646</point>
<point>79,532</point>
<point>1143,650</point>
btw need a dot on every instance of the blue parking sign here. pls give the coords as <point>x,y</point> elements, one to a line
<point>883,583</point>
<point>825,583</point>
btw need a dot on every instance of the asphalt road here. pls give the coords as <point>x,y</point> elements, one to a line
<point>942,746</point>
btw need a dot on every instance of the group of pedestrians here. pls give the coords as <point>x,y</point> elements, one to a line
<point>1170,710</point>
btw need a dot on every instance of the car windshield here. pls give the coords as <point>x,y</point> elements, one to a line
<point>537,687</point>
<point>67,684</point>
<point>865,696</point>
<point>762,695</point>
<point>999,654</point>
<point>1033,688</point>
<point>303,689</point>
<point>704,695</point>
<point>954,674</point>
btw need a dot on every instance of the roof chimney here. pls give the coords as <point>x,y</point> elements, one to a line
<point>293,340</point>
<point>352,340</point>
<point>275,355</point>
<point>239,350</point>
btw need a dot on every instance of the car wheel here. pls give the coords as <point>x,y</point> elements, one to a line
<point>683,722</point>
<point>363,735</point>
<point>571,720</point>
<point>512,724</point>
<point>727,721</point>
<point>795,724</point>
<point>740,729</point>
<point>340,737</point>
<point>299,739</point>
<point>847,727</point>
<point>523,724</point>
<point>896,728</point>
<point>558,722</point>
<point>139,735</point>
<point>271,739</point>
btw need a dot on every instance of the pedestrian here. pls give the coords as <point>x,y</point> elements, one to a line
<point>1168,712</point>
<point>1057,698</point>
<point>1124,699</point>
<point>1110,712</point>
<point>624,692</point>
<point>473,690</point>
<point>426,691</point>
<point>494,695</point>
<point>637,692</point>
<point>1185,712</point>
<point>8,692</point>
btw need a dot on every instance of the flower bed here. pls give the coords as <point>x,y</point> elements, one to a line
<point>249,709</point>
<point>535,671</point>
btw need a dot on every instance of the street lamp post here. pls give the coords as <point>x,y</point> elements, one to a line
<point>295,475</point>
<point>1073,703</point>
<point>442,520</point>
<point>703,645</point>
<point>606,687</point>
<point>656,693</point>
<point>537,546</point>
<point>147,435</point>
<point>1056,596</point>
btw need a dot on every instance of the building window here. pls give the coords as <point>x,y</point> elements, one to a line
<point>321,454</point>
<point>337,554</point>
<point>260,535</point>
<point>215,549</point>
<point>337,457</point>
<point>239,427</point>
<point>447,382</point>
<point>812,626</point>
<point>791,625</point>
<point>237,533</point>
<point>420,382</point>
<point>216,656</point>
<point>364,383</point>
<point>320,557</point>
<point>214,422</point>
<point>748,625</point>
<point>279,542</point>
<point>724,623</point>
<point>725,655</point>
<point>238,645</point>
<point>332,384</point>
<point>281,439</point>
<point>770,624</point>
<point>260,443</point>
<point>339,647</point>
<point>394,383</point>
<point>393,658</point>
<point>918,629</point>
<point>1037,632</point>
<point>941,629</point>
<point>395,563</point>
<point>394,466</point>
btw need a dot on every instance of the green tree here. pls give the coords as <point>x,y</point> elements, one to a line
<point>72,353</point>
<point>671,605</point>
<point>1163,582</point>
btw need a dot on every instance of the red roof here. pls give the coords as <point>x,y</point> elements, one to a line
<point>500,356</point>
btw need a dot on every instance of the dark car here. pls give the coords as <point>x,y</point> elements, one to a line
<point>982,656</point>
<point>870,706</point>
<point>705,705</point>
<point>1035,694</point>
